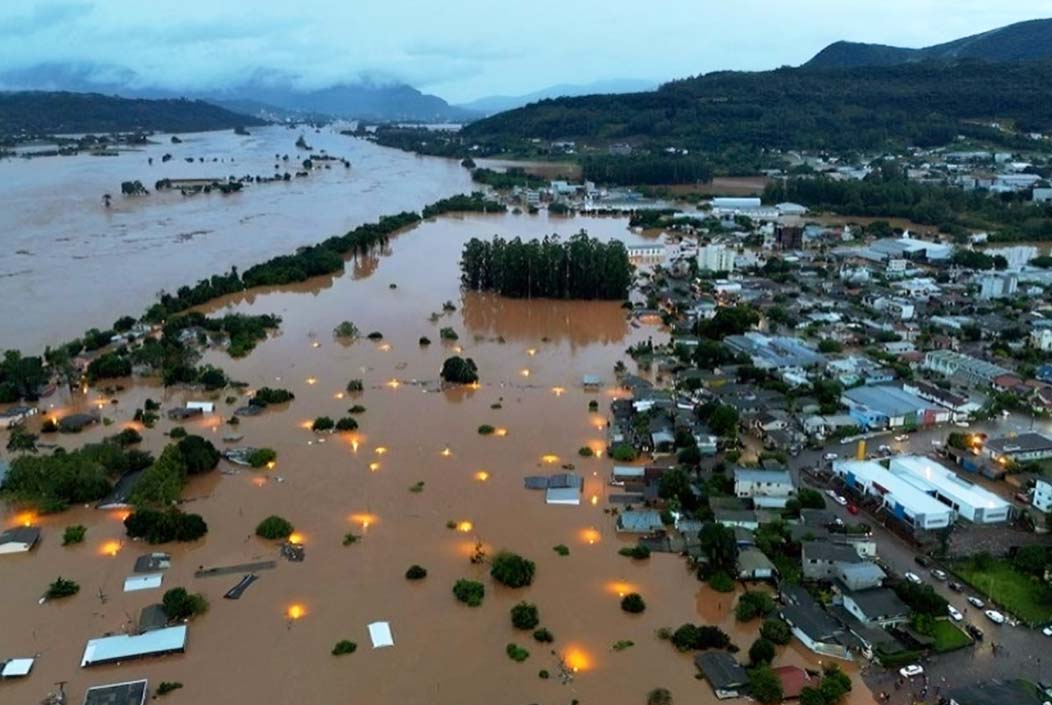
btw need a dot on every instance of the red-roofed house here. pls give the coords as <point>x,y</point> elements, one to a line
<point>794,679</point>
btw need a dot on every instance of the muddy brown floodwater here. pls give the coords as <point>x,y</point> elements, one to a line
<point>531,356</point>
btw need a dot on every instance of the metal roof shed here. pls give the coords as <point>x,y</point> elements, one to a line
<point>127,693</point>
<point>125,647</point>
<point>563,495</point>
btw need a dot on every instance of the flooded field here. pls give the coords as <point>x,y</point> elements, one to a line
<point>60,242</point>
<point>531,357</point>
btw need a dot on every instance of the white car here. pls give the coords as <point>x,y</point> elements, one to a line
<point>913,578</point>
<point>938,574</point>
<point>1047,631</point>
<point>976,602</point>
<point>901,438</point>
<point>830,456</point>
<point>955,614</point>
<point>914,669</point>
<point>841,500</point>
<point>995,616</point>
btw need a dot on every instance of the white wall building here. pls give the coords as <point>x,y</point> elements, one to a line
<point>969,500</point>
<point>1043,496</point>
<point>766,488</point>
<point>998,286</point>
<point>901,498</point>
<point>716,258</point>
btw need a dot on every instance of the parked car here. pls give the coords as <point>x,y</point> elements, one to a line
<point>995,616</point>
<point>976,602</point>
<point>955,586</point>
<point>1047,631</point>
<point>922,561</point>
<point>841,500</point>
<point>830,456</point>
<point>884,449</point>
<point>913,578</point>
<point>975,632</point>
<point>852,508</point>
<point>914,669</point>
<point>962,424</point>
<point>901,438</point>
<point>955,614</point>
<point>938,574</point>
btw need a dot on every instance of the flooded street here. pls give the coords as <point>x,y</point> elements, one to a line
<point>531,357</point>
<point>59,241</point>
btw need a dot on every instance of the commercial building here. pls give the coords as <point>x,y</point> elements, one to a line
<point>766,488</point>
<point>901,498</point>
<point>886,406</point>
<point>716,258</point>
<point>1022,448</point>
<point>961,406</point>
<point>774,352</point>
<point>998,286</point>
<point>969,500</point>
<point>1042,500</point>
<point>969,369</point>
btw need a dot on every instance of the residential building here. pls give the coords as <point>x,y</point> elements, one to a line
<point>1041,338</point>
<point>775,352</point>
<point>900,498</point>
<point>1016,692</point>
<point>125,647</point>
<point>898,308</point>
<point>127,693</point>
<point>1000,285</point>
<point>971,370</point>
<point>640,521</point>
<point>723,672</point>
<point>820,559</point>
<point>766,488</point>
<point>789,237</point>
<point>19,539</point>
<point>1021,448</point>
<point>16,415</point>
<point>1042,499</point>
<point>753,564</point>
<point>967,499</point>
<point>716,258</point>
<point>961,406</point>
<point>859,576</point>
<point>815,628</point>
<point>876,607</point>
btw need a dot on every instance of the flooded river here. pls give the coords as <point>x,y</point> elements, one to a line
<point>60,243</point>
<point>531,357</point>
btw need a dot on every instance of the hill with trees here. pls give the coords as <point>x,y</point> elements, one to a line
<point>1023,41</point>
<point>870,107</point>
<point>41,112</point>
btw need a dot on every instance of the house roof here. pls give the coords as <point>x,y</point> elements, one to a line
<point>128,693</point>
<point>865,570</point>
<point>829,552</point>
<point>721,669</point>
<point>1017,692</point>
<point>793,679</point>
<point>753,559</point>
<point>812,621</point>
<point>878,602</point>
<point>1023,443</point>
<point>780,477</point>
<point>21,534</point>
<point>639,521</point>
<point>122,647</point>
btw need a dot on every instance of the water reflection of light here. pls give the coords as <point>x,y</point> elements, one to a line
<point>312,380</point>
<point>296,611</point>
<point>550,458</point>
<point>315,344</point>
<point>364,519</point>
<point>595,499</point>
<point>446,452</point>
<point>500,432</point>
<point>380,450</point>
<point>296,538</point>
<point>373,467</point>
<point>457,349</point>
<point>354,446</point>
<point>119,514</point>
<point>482,476</point>
<point>599,423</point>
<point>465,526</point>
<point>620,588</point>
<point>385,347</point>
<point>394,384</point>
<point>25,518</point>
<point>259,481</point>
<point>577,659</point>
<point>338,395</point>
<point>531,352</point>
<point>559,391</point>
<point>590,536</point>
<point>110,548</point>
<point>271,464</point>
<point>306,424</point>
<point>525,372</point>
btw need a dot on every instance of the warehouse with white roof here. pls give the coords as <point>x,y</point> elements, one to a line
<point>969,500</point>
<point>902,498</point>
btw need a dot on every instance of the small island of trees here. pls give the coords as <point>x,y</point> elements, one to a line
<point>580,268</point>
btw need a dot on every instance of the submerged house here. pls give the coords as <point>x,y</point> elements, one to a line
<point>723,672</point>
<point>125,647</point>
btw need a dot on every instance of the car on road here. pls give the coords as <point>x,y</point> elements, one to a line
<point>830,456</point>
<point>913,578</point>
<point>975,632</point>
<point>976,602</point>
<point>852,508</point>
<point>955,614</point>
<point>901,438</point>
<point>1047,631</point>
<point>841,500</point>
<point>914,669</point>
<point>995,616</point>
<point>938,574</point>
<point>962,424</point>
<point>955,586</point>
<point>922,561</point>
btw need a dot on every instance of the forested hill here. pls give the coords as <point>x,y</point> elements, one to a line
<point>39,112</point>
<point>1023,41</point>
<point>866,107</point>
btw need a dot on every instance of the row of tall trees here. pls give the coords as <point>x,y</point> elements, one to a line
<point>580,268</point>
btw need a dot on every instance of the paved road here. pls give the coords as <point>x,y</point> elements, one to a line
<point>1021,652</point>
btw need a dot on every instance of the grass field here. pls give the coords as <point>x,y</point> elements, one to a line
<point>948,637</point>
<point>1027,598</point>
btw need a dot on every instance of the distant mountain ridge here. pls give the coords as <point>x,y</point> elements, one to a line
<point>63,112</point>
<point>490,105</point>
<point>262,94</point>
<point>1023,41</point>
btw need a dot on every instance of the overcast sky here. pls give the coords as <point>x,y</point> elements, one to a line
<point>464,49</point>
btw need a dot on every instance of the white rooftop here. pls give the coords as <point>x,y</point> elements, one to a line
<point>125,646</point>
<point>946,481</point>
<point>17,667</point>
<point>380,633</point>
<point>905,493</point>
